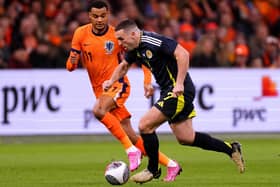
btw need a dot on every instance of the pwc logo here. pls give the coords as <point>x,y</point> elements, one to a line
<point>269,88</point>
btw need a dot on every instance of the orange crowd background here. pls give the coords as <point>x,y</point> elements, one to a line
<point>217,33</point>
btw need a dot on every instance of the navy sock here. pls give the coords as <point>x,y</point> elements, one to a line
<point>205,141</point>
<point>151,145</point>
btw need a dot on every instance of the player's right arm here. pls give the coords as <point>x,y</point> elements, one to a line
<point>72,61</point>
<point>74,56</point>
<point>148,87</point>
<point>119,72</point>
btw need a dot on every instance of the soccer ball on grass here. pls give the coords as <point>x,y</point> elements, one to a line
<point>117,173</point>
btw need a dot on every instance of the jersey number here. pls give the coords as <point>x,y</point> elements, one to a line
<point>88,56</point>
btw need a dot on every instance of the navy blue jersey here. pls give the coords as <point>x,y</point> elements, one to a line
<point>157,53</point>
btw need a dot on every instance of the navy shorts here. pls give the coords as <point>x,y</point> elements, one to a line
<point>176,109</point>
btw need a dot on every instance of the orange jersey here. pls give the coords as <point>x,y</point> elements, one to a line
<point>99,54</point>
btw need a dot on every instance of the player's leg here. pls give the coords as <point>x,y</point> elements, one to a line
<point>101,111</point>
<point>186,135</point>
<point>163,159</point>
<point>121,114</point>
<point>147,126</point>
<point>105,103</point>
<point>164,109</point>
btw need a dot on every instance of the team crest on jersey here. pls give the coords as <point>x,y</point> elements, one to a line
<point>109,47</point>
<point>149,54</point>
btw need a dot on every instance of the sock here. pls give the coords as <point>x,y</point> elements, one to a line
<point>151,145</point>
<point>140,145</point>
<point>171,163</point>
<point>163,159</point>
<point>131,149</point>
<point>207,142</point>
<point>114,126</point>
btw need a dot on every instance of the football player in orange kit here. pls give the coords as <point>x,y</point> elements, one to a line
<point>96,44</point>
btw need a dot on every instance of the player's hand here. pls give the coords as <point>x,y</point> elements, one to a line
<point>74,57</point>
<point>70,66</point>
<point>178,90</point>
<point>72,61</point>
<point>148,90</point>
<point>107,85</point>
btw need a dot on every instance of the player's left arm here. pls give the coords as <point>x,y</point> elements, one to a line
<point>148,87</point>
<point>182,58</point>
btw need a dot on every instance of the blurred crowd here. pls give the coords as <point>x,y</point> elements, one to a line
<point>217,33</point>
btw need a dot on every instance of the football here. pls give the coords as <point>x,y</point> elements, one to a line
<point>117,173</point>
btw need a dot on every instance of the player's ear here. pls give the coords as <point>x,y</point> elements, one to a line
<point>133,33</point>
<point>89,15</point>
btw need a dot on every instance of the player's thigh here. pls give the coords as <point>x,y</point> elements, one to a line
<point>183,131</point>
<point>151,120</point>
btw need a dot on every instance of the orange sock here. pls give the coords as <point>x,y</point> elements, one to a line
<point>114,126</point>
<point>163,159</point>
<point>139,144</point>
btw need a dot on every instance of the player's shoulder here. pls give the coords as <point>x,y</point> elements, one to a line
<point>84,28</point>
<point>111,29</point>
<point>150,34</point>
<point>152,38</point>
<point>157,39</point>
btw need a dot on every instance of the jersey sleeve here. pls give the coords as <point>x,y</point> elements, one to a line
<point>76,40</point>
<point>74,56</point>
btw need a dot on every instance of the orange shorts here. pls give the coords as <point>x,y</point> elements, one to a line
<point>119,92</point>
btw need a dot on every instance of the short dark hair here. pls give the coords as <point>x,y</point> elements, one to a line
<point>97,4</point>
<point>125,24</point>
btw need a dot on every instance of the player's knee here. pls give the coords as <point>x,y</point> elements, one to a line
<point>142,128</point>
<point>145,127</point>
<point>185,140</point>
<point>98,112</point>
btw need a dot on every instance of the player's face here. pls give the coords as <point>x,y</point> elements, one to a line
<point>99,19</point>
<point>127,39</point>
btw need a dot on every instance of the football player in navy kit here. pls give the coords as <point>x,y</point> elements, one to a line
<point>169,63</point>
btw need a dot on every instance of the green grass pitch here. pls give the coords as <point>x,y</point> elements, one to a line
<point>82,164</point>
